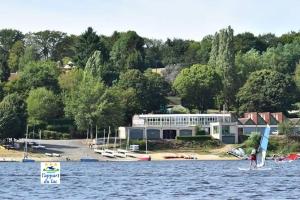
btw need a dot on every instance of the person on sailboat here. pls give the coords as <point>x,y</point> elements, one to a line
<point>252,158</point>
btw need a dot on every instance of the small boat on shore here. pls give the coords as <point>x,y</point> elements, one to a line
<point>109,153</point>
<point>144,158</point>
<point>88,159</point>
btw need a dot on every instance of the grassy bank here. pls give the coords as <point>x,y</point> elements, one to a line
<point>278,144</point>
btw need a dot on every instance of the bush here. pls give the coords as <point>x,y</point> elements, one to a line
<point>194,138</point>
<point>253,141</point>
<point>65,136</point>
<point>55,135</point>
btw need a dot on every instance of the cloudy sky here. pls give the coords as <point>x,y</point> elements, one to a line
<point>160,19</point>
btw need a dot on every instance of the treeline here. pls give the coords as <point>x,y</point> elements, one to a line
<point>111,80</point>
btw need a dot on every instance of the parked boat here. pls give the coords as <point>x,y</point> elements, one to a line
<point>88,159</point>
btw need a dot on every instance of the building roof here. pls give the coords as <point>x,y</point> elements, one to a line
<point>185,115</point>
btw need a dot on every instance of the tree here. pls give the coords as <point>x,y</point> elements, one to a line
<point>38,74</point>
<point>222,59</point>
<point>247,63</point>
<point>128,52</point>
<point>42,105</point>
<point>267,91</point>
<point>156,91</point>
<point>198,86</point>
<point>297,76</point>
<point>15,54</point>
<point>83,102</point>
<point>46,42</point>
<point>282,58</point>
<point>243,42</point>
<point>153,54</point>
<point>173,51</point>
<point>4,70</point>
<point>7,38</point>
<point>205,48</point>
<point>69,81</point>
<point>135,80</point>
<point>141,93</point>
<point>12,117</point>
<point>87,43</point>
<point>30,55</point>
<point>100,69</point>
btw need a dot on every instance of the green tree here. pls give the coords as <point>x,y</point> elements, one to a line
<point>128,52</point>
<point>4,70</point>
<point>87,43</point>
<point>198,86</point>
<point>30,55</point>
<point>267,91</point>
<point>15,53</point>
<point>38,74</point>
<point>156,91</point>
<point>7,38</point>
<point>46,42</point>
<point>42,105</point>
<point>173,51</point>
<point>135,80</point>
<point>100,69</point>
<point>297,76</point>
<point>282,58</point>
<point>83,102</point>
<point>247,63</point>
<point>12,117</point>
<point>222,59</point>
<point>205,48</point>
<point>153,54</point>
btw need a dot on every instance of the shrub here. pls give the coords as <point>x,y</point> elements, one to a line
<point>65,136</point>
<point>253,141</point>
<point>194,138</point>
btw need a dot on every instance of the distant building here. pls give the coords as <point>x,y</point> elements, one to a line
<point>168,126</point>
<point>225,127</point>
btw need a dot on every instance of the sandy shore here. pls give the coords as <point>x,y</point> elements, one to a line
<point>74,150</point>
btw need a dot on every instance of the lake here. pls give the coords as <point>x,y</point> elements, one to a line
<point>153,180</point>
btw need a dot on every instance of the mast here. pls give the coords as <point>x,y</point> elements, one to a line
<point>115,143</point>
<point>25,148</point>
<point>96,142</point>
<point>40,133</point>
<point>104,144</point>
<point>127,144</point>
<point>108,137</point>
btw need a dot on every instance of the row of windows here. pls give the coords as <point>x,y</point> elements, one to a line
<point>163,121</point>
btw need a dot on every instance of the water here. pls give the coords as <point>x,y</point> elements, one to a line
<point>152,180</point>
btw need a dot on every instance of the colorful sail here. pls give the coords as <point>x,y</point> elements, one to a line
<point>262,150</point>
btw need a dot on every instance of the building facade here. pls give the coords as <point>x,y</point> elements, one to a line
<point>225,127</point>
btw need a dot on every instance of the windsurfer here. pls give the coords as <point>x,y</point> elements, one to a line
<point>252,158</point>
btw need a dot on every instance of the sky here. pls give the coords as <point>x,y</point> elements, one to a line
<point>159,19</point>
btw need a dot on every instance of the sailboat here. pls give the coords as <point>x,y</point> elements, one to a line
<point>122,153</point>
<point>107,152</point>
<point>96,150</point>
<point>263,146</point>
<point>262,151</point>
<point>39,146</point>
<point>25,158</point>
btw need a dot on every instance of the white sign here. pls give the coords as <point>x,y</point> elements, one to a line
<point>50,173</point>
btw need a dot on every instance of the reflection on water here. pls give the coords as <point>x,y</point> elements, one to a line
<point>152,180</point>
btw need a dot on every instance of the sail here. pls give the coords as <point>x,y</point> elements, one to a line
<point>262,150</point>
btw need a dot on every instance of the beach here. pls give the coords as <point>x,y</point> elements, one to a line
<point>74,150</point>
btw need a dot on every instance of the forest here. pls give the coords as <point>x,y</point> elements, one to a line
<point>69,85</point>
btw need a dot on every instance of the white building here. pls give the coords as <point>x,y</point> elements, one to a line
<point>168,126</point>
